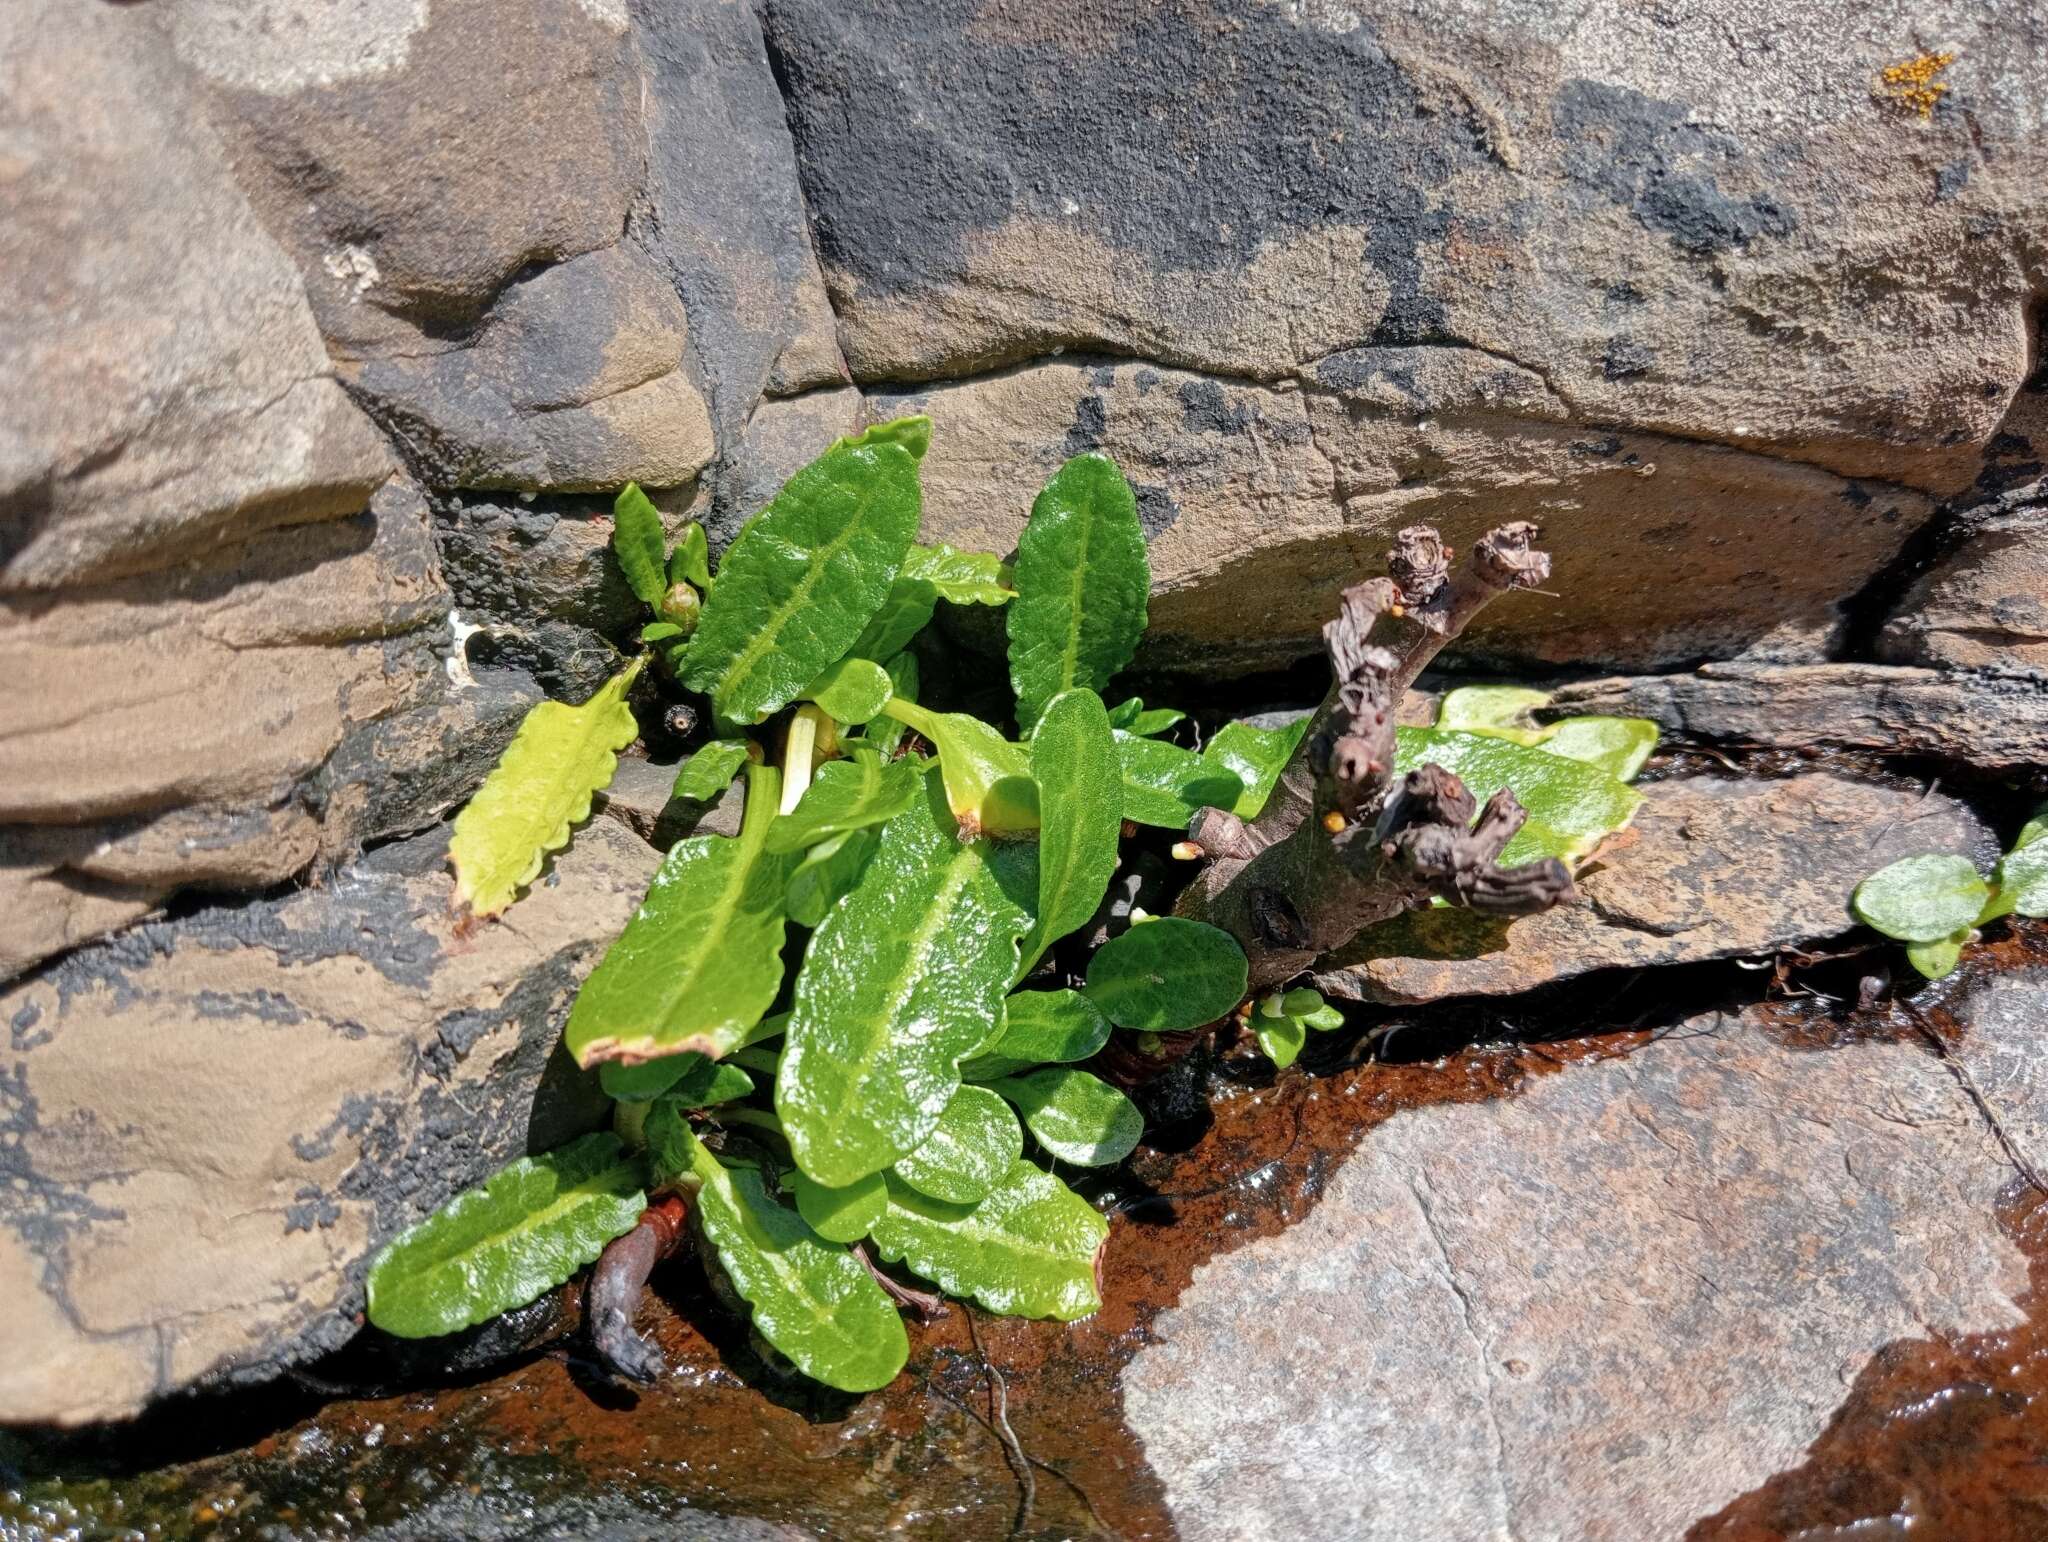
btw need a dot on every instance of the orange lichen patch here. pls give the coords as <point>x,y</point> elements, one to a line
<point>1912,83</point>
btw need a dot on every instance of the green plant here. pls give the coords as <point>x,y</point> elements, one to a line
<point>1935,902</point>
<point>957,964</point>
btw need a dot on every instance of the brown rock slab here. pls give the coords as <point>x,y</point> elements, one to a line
<point>1992,721</point>
<point>1985,604</point>
<point>1601,1309</point>
<point>169,392</point>
<point>1263,501</point>
<point>1715,868</point>
<point>212,1123</point>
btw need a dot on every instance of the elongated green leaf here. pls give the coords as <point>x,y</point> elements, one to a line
<point>968,1152</point>
<point>1134,717</point>
<point>649,1079</point>
<point>1028,1250</point>
<point>706,774</point>
<point>840,1215</point>
<point>827,873</point>
<point>701,959</point>
<point>1617,745</point>
<point>812,1300</point>
<point>1167,974</point>
<point>964,577</point>
<point>901,983</point>
<point>1041,1027</point>
<point>850,691</point>
<point>905,611</point>
<point>1935,959</point>
<point>848,794</point>
<point>802,578</point>
<point>561,757</point>
<point>1924,898</point>
<point>1082,583</point>
<point>1076,1117</point>
<point>690,562</point>
<point>1165,785</point>
<point>913,435</point>
<point>1572,806</point>
<point>1256,757</point>
<point>637,541</point>
<point>1507,710</point>
<point>1080,793</point>
<point>988,779</point>
<point>499,1246</point>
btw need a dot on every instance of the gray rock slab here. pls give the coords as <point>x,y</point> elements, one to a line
<point>1593,1312</point>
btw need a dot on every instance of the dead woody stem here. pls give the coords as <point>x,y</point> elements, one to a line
<point>1341,846</point>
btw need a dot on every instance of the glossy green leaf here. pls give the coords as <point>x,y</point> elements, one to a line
<point>850,691</point>
<point>1256,757</point>
<point>987,778</point>
<point>1028,1250</point>
<point>710,1083</point>
<point>905,611</point>
<point>968,1152</point>
<point>902,981</point>
<point>963,577</point>
<point>637,542</point>
<point>848,794</point>
<point>704,777</point>
<point>1082,582</point>
<point>1041,1027</point>
<point>1076,1117</point>
<point>1616,745</point>
<point>560,759</point>
<point>840,1215</point>
<point>912,435</point>
<point>1166,785</point>
<point>701,960</point>
<point>1167,974</point>
<point>498,1246</point>
<point>1935,959</point>
<point>811,1299</point>
<point>1572,806</point>
<point>827,873</point>
<point>1282,1038</point>
<point>886,733</point>
<point>2021,882</point>
<point>800,581</point>
<point>1508,710</point>
<point>658,632</point>
<point>690,562</point>
<point>649,1079</point>
<point>1135,717</point>
<point>1080,794</point>
<point>1923,899</point>
<point>1282,1022</point>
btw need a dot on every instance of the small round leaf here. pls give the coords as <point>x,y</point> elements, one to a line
<point>1924,898</point>
<point>1167,974</point>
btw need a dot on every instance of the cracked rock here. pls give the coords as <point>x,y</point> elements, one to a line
<point>1715,868</point>
<point>209,1125</point>
<point>1597,1310</point>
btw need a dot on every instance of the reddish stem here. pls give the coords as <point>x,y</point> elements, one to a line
<point>618,1281</point>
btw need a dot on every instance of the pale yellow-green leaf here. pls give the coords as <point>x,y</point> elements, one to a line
<point>541,786</point>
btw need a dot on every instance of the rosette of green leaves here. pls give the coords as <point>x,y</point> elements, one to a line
<point>1283,1021</point>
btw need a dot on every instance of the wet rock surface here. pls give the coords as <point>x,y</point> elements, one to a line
<point>1714,867</point>
<point>209,1124</point>
<point>1811,1279</point>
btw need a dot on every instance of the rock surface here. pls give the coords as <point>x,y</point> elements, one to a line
<point>208,1125</point>
<point>1599,1310</point>
<point>1717,868</point>
<point>1985,604</point>
<point>1992,721</point>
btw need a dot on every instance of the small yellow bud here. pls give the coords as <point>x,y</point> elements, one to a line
<point>1333,822</point>
<point>1187,851</point>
